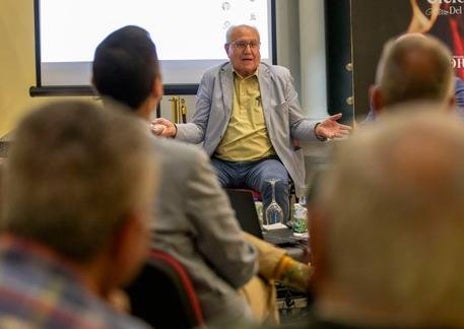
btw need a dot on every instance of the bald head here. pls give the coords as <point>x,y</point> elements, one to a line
<point>392,208</point>
<point>413,67</point>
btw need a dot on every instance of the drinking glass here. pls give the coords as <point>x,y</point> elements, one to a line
<point>273,213</point>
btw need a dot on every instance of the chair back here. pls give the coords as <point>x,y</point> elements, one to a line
<point>163,295</point>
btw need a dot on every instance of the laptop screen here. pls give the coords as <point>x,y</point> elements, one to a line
<point>245,211</point>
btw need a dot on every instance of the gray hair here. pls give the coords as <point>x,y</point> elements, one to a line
<point>413,67</point>
<point>73,172</point>
<point>232,28</point>
<point>394,212</point>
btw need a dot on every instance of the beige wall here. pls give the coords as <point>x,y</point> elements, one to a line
<point>17,62</point>
<point>17,59</point>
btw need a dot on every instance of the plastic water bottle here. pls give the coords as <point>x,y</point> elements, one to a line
<point>300,215</point>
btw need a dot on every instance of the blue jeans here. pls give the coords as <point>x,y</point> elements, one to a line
<point>255,175</point>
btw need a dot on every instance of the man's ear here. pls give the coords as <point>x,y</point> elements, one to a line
<point>93,86</point>
<point>377,99</point>
<point>452,103</point>
<point>130,246</point>
<point>158,89</point>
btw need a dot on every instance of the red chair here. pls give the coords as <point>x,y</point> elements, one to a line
<point>163,295</point>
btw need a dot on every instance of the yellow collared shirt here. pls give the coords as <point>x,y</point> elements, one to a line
<point>246,137</point>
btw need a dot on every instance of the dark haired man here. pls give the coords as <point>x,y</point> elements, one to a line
<point>196,223</point>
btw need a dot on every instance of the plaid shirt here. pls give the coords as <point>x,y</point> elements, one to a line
<point>37,292</point>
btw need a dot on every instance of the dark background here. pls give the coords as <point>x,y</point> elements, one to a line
<point>356,31</point>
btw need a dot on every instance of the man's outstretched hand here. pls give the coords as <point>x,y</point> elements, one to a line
<point>330,128</point>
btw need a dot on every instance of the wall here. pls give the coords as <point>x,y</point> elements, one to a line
<point>288,37</point>
<point>313,73</point>
<point>17,62</point>
<point>301,47</point>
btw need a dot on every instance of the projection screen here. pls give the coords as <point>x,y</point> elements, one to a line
<point>189,35</point>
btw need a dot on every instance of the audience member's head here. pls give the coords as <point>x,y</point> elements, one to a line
<point>126,68</point>
<point>243,49</point>
<point>80,181</point>
<point>413,67</point>
<point>388,224</point>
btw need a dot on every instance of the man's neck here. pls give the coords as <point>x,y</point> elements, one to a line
<point>245,75</point>
<point>145,110</point>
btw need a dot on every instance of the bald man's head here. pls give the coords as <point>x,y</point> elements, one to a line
<point>413,67</point>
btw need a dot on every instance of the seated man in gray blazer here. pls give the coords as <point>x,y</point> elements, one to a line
<point>195,223</point>
<point>248,118</point>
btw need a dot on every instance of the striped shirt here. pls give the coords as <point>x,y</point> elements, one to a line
<point>38,292</point>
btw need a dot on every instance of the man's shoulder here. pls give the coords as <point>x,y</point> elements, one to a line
<point>171,147</point>
<point>113,320</point>
<point>263,67</point>
<point>274,69</point>
<point>459,83</point>
<point>28,274</point>
<point>226,66</point>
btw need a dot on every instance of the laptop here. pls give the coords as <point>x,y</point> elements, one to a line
<point>245,210</point>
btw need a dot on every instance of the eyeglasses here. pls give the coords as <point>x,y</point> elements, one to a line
<point>242,45</point>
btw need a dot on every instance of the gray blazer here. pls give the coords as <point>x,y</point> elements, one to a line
<point>195,223</point>
<point>282,113</point>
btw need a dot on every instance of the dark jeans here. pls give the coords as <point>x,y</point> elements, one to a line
<point>255,175</point>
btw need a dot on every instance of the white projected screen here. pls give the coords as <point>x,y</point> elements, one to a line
<point>189,34</point>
